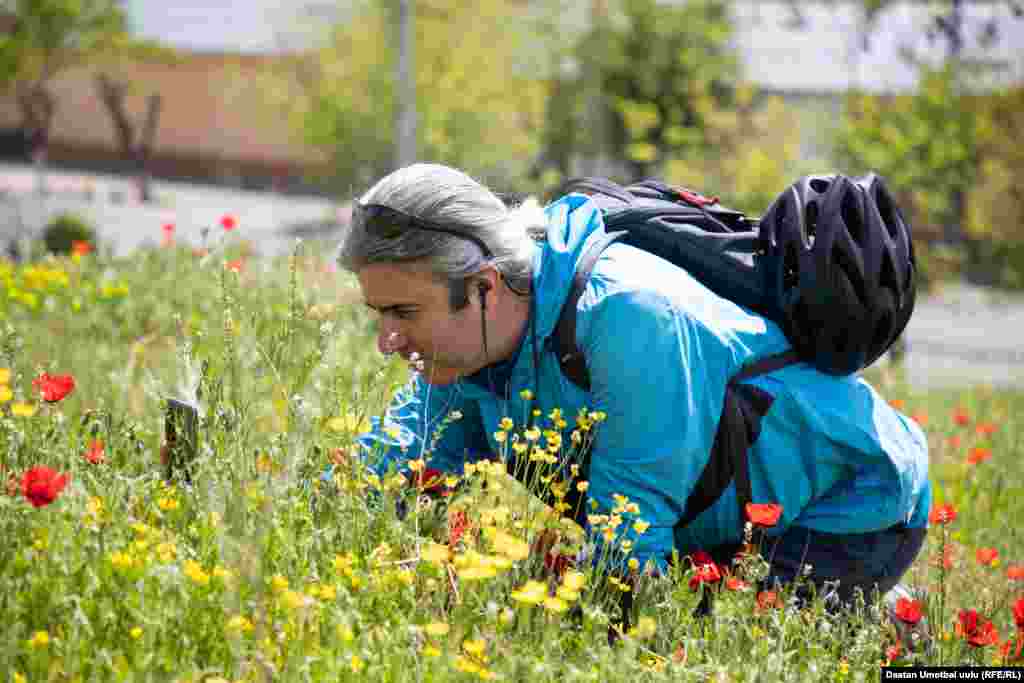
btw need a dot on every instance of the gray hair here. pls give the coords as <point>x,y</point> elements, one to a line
<point>447,196</point>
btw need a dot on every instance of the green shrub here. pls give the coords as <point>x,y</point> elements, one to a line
<point>66,229</point>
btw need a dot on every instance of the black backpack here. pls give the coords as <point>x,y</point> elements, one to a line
<point>718,246</point>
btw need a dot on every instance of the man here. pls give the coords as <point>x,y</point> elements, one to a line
<point>462,284</point>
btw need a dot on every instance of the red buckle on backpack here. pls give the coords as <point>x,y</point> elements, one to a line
<point>691,197</point>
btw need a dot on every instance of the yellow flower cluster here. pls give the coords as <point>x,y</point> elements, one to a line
<point>18,409</point>
<point>239,624</point>
<point>475,659</point>
<point>536,592</point>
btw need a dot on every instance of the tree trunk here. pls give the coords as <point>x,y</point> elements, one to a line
<point>37,109</point>
<point>137,148</point>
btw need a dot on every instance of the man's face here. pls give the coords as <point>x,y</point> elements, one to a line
<point>415,317</point>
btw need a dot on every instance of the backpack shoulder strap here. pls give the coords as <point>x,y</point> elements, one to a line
<point>738,429</point>
<point>574,365</point>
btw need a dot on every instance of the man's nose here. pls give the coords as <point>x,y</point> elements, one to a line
<point>389,340</point>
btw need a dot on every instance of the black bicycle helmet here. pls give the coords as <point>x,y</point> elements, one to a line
<point>842,269</point>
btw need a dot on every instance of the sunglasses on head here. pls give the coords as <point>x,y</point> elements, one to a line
<point>383,221</point>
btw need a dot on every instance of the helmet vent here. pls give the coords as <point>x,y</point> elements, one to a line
<point>811,223</point>
<point>842,261</point>
<point>819,185</point>
<point>887,211</point>
<point>852,217</point>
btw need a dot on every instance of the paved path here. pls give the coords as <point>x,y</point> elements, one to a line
<point>959,336</point>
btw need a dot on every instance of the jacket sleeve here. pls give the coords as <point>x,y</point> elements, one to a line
<point>662,391</point>
<point>426,421</point>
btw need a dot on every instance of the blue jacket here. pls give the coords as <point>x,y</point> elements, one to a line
<point>660,349</point>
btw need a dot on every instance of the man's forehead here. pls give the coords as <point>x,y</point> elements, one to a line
<point>390,286</point>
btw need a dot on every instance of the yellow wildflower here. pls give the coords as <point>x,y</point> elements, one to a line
<point>135,633</point>
<point>430,651</point>
<point>23,409</point>
<point>645,628</point>
<point>640,526</point>
<point>500,437</point>
<point>357,664</point>
<point>574,580</point>
<point>240,624</point>
<point>5,394</point>
<point>567,594</point>
<point>5,375</point>
<point>121,561</point>
<point>466,664</point>
<point>437,553</point>
<point>166,552</point>
<point>526,394</point>
<point>475,648</point>
<point>167,503</point>
<point>506,423</point>
<point>39,639</point>
<point>510,546</point>
<point>194,571</point>
<point>555,604</point>
<point>531,593</point>
<point>222,574</point>
<point>582,486</point>
<point>293,600</point>
<point>278,583</point>
<point>437,628</point>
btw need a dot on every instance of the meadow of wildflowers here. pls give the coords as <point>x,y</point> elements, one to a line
<point>256,570</point>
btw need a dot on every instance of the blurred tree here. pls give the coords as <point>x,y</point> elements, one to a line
<point>45,38</point>
<point>933,145</point>
<point>479,103</point>
<point>664,72</point>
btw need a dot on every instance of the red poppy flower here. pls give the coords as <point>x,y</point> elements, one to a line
<point>54,387</point>
<point>41,485</point>
<point>95,452</point>
<point>985,428</point>
<point>766,599</point>
<point>908,611</point>
<point>235,266</point>
<point>942,514</point>
<point>954,441</point>
<point>897,403</point>
<point>228,222</point>
<point>1018,613</point>
<point>986,556</point>
<point>735,583</point>
<point>961,417</point>
<point>431,481</point>
<point>168,229</point>
<point>978,455</point>
<point>1008,652</point>
<point>892,653</point>
<point>701,557</point>
<point>975,630</point>
<point>80,247</point>
<point>763,514</point>
<point>1015,572</point>
<point>704,570</point>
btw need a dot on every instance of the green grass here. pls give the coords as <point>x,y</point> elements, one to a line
<point>257,572</point>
